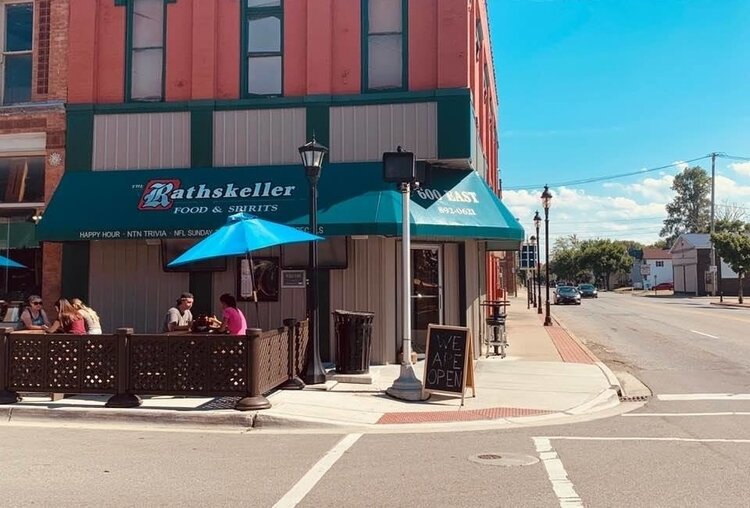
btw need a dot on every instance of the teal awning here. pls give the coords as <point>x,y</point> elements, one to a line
<point>187,203</point>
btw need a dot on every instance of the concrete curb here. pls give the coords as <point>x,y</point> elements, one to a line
<point>733,305</point>
<point>614,383</point>
<point>234,419</point>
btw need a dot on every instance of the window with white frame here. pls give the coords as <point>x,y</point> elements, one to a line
<point>385,45</point>
<point>146,56</point>
<point>16,46</point>
<point>660,264</point>
<point>264,50</point>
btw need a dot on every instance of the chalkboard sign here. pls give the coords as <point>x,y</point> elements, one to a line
<point>449,362</point>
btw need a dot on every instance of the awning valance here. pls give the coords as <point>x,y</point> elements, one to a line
<point>188,203</point>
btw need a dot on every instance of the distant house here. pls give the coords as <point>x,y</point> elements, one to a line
<point>659,262</point>
<point>691,257</point>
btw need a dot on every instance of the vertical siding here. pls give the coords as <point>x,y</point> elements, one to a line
<point>128,287</point>
<point>475,291</point>
<point>369,284</point>
<point>141,141</point>
<point>363,133</point>
<point>269,315</point>
<point>451,285</point>
<point>258,137</point>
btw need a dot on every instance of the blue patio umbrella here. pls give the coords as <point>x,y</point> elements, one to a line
<point>9,263</point>
<point>242,234</point>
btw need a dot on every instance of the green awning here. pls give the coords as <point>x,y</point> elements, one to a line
<point>187,203</point>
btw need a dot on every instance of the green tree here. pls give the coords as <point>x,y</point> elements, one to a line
<point>734,249</point>
<point>565,264</point>
<point>689,211</point>
<point>604,258</point>
<point>659,244</point>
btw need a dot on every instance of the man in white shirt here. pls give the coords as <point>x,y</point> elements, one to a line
<point>179,317</point>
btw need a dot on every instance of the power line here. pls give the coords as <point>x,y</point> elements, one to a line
<point>734,157</point>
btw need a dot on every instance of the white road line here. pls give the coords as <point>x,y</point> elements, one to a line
<point>704,334</point>
<point>558,477</point>
<point>727,413</point>
<point>703,396</point>
<point>665,439</point>
<point>313,476</point>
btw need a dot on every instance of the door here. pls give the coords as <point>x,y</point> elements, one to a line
<point>426,292</point>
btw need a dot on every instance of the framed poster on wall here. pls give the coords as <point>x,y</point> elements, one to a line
<point>264,279</point>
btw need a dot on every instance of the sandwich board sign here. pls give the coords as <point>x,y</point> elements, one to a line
<point>449,361</point>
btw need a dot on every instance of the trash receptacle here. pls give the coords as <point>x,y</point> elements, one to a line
<point>353,341</point>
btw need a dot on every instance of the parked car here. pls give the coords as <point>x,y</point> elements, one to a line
<point>588,291</point>
<point>566,294</point>
<point>664,286</point>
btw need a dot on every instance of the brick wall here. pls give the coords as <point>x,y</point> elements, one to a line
<point>49,84</point>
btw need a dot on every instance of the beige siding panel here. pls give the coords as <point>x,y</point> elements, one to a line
<point>128,287</point>
<point>451,285</point>
<point>475,292</point>
<point>369,284</point>
<point>258,137</point>
<point>363,133</point>
<point>141,141</point>
<point>269,315</point>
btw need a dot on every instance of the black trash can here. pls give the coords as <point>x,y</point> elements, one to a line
<point>353,341</point>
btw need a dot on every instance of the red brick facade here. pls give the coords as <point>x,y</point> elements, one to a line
<point>46,115</point>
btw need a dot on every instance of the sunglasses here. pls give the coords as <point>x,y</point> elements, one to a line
<point>36,303</point>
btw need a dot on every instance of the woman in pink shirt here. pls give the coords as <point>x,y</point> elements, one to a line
<point>233,321</point>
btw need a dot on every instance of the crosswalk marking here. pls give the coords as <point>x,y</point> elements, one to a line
<point>703,396</point>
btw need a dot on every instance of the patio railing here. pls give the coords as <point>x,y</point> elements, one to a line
<point>129,365</point>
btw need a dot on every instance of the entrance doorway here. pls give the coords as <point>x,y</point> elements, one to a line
<point>426,292</point>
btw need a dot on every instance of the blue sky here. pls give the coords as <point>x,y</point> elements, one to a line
<point>593,88</point>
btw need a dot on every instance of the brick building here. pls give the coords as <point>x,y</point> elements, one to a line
<point>213,98</point>
<point>33,84</point>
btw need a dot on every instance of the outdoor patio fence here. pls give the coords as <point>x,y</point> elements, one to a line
<point>129,365</point>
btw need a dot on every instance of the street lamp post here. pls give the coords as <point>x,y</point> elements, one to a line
<point>546,202</point>
<point>534,244</point>
<point>537,222</point>
<point>312,154</point>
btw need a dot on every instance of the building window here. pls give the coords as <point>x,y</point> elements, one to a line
<point>146,34</point>
<point>263,58</point>
<point>16,45</point>
<point>384,55</point>
<point>21,180</point>
<point>660,264</point>
<point>479,39</point>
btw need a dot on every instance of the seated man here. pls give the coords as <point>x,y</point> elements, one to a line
<point>179,317</point>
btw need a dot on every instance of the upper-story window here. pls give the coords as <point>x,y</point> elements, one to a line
<point>660,264</point>
<point>21,180</point>
<point>479,38</point>
<point>263,35</point>
<point>146,33</point>
<point>16,45</point>
<point>384,54</point>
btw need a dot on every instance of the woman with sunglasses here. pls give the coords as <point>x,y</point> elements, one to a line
<point>33,317</point>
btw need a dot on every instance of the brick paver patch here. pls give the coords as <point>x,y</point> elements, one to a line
<point>570,350</point>
<point>492,413</point>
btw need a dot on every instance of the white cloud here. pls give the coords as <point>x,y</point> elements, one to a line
<point>682,165</point>
<point>742,168</point>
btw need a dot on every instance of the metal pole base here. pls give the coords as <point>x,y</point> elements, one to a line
<point>407,386</point>
<point>315,374</point>
<point>293,384</point>
<point>9,397</point>
<point>124,400</point>
<point>252,403</point>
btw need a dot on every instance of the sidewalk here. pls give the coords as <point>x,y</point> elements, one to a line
<point>548,375</point>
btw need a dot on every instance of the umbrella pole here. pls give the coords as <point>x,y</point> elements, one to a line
<point>255,290</point>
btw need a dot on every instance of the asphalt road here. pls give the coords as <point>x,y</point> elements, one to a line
<point>693,452</point>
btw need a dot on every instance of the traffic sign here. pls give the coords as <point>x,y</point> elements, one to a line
<point>645,269</point>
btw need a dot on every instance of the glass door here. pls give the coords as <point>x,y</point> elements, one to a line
<point>427,292</point>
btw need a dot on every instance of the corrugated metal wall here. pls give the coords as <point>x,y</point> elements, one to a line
<point>259,136</point>
<point>128,287</point>
<point>141,141</point>
<point>363,133</point>
<point>368,284</point>
<point>269,315</point>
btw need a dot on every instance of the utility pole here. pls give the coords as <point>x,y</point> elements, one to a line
<point>714,269</point>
